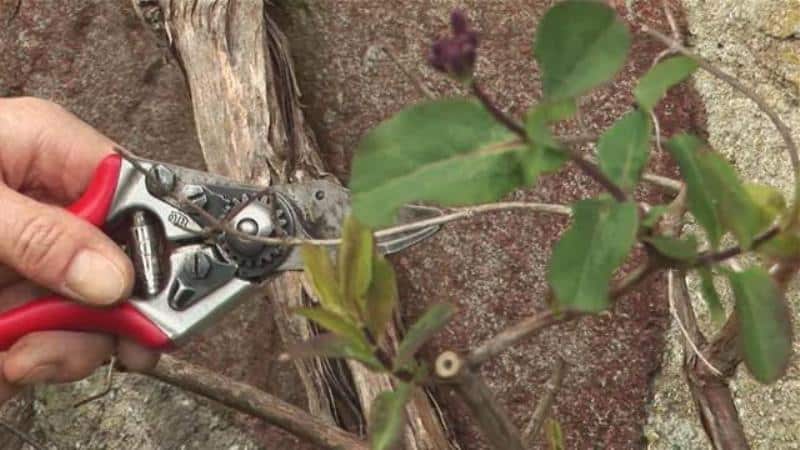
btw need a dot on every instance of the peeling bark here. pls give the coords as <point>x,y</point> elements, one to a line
<point>251,128</point>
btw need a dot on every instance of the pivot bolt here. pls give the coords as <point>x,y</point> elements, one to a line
<point>160,180</point>
<point>198,266</point>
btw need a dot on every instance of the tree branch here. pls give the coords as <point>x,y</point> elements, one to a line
<point>249,400</point>
<point>551,388</point>
<point>783,129</point>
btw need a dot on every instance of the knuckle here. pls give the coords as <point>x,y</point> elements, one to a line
<point>36,243</point>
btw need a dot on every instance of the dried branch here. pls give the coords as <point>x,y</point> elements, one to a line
<point>252,401</point>
<point>783,129</point>
<point>551,388</point>
<point>482,403</point>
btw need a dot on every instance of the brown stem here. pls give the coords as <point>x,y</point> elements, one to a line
<point>505,119</point>
<point>783,129</point>
<point>545,403</point>
<point>716,257</point>
<point>249,400</point>
<point>482,403</point>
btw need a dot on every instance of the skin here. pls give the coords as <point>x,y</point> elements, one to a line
<point>47,158</point>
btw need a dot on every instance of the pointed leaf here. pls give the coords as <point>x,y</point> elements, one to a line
<point>769,202</point>
<point>333,322</point>
<point>678,249</point>
<point>555,437</point>
<point>434,319</point>
<point>656,82</point>
<point>355,263</point>
<point>710,295</point>
<point>448,151</point>
<point>583,261</point>
<point>623,150</point>
<point>381,296</point>
<point>319,269</point>
<point>543,154</point>
<point>387,417</point>
<point>716,197</point>
<point>578,46</point>
<point>764,324</point>
<point>333,346</point>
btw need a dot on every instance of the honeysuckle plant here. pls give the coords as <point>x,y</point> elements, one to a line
<point>466,151</point>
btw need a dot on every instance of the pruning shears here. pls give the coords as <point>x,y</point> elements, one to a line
<point>187,278</point>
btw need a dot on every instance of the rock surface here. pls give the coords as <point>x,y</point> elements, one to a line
<point>756,41</point>
<point>95,58</point>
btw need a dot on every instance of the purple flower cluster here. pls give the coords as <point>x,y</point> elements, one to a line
<point>455,55</point>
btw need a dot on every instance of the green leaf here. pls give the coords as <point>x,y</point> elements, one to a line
<point>654,215</point>
<point>543,154</point>
<point>333,322</point>
<point>764,324</point>
<point>448,151</point>
<point>716,197</point>
<point>355,263</point>
<point>579,45</point>
<point>381,296</point>
<point>319,269</point>
<point>656,82</point>
<point>769,202</point>
<point>387,417</point>
<point>333,346</point>
<point>674,248</point>
<point>583,261</point>
<point>555,437</point>
<point>710,295</point>
<point>434,319</point>
<point>624,148</point>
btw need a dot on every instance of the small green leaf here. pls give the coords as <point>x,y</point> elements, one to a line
<point>654,215</point>
<point>319,269</point>
<point>448,151</point>
<point>624,148</point>
<point>434,319</point>
<point>764,324</point>
<point>355,263</point>
<point>656,82</point>
<point>555,437</point>
<point>381,296</point>
<point>387,417</point>
<point>678,249</point>
<point>332,322</point>
<point>583,261</point>
<point>710,295</point>
<point>769,202</point>
<point>716,197</point>
<point>540,116</point>
<point>579,45</point>
<point>333,346</point>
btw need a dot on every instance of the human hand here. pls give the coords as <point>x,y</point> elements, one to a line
<point>47,158</point>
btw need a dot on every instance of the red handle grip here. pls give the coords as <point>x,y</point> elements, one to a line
<point>56,313</point>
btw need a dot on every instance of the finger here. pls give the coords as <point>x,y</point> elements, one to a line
<point>134,357</point>
<point>7,390</point>
<point>19,293</point>
<point>61,252</point>
<point>56,356</point>
<point>45,148</point>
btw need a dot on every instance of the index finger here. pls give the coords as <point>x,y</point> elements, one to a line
<point>44,148</point>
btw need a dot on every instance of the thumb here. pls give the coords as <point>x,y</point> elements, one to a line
<point>61,252</point>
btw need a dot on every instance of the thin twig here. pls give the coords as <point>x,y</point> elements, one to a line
<point>780,125</point>
<point>708,258</point>
<point>551,388</point>
<point>23,436</point>
<point>531,325</point>
<point>252,401</point>
<point>509,122</point>
<point>109,382</point>
<point>679,321</point>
